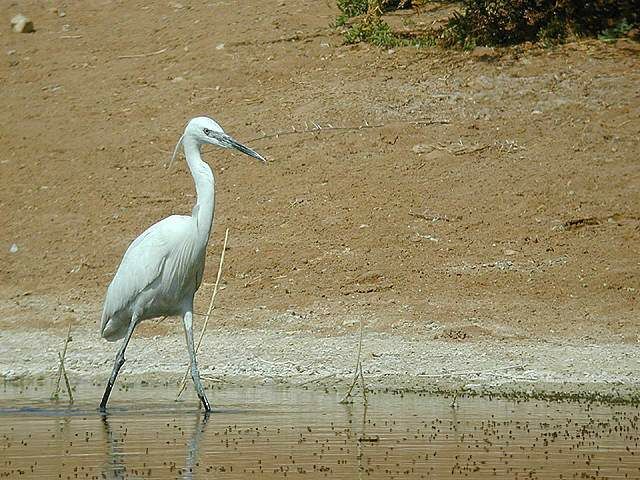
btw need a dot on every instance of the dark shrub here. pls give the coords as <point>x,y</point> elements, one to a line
<point>503,22</point>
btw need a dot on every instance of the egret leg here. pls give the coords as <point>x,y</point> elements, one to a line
<point>187,320</point>
<point>119,362</point>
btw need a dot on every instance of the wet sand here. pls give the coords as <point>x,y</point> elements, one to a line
<point>292,433</point>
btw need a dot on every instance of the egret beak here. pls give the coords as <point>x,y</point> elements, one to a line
<point>227,141</point>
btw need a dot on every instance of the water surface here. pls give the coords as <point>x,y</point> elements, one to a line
<point>279,433</point>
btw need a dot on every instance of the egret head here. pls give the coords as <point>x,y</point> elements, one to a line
<point>206,130</point>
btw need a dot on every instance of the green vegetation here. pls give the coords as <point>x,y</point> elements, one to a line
<point>377,32</point>
<point>619,30</point>
<point>372,30</point>
<point>494,22</point>
<point>352,8</point>
<point>363,23</point>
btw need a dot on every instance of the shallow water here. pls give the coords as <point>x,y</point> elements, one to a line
<point>275,433</point>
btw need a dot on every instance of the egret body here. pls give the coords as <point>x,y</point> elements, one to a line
<point>162,268</point>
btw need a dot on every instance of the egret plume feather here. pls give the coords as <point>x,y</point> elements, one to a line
<point>175,151</point>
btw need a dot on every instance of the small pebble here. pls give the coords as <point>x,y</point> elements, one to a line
<point>484,53</point>
<point>58,12</point>
<point>22,24</point>
<point>422,148</point>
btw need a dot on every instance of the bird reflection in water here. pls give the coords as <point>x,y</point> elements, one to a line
<point>193,447</point>
<point>115,467</point>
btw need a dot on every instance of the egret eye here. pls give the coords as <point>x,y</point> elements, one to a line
<point>206,131</point>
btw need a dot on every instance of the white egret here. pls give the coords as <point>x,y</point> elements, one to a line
<point>162,269</point>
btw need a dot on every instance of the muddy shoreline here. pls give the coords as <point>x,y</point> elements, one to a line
<point>402,363</point>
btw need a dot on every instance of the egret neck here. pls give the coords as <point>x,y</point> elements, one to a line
<point>205,191</point>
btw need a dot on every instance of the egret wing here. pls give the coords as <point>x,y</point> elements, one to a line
<point>143,263</point>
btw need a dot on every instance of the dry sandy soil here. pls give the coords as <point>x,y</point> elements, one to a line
<point>486,220</point>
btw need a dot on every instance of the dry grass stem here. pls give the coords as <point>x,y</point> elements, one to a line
<point>365,400</point>
<point>66,378</point>
<point>358,374</point>
<point>61,369</point>
<point>183,383</point>
<point>142,55</point>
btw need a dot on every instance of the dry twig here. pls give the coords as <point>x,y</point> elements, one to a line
<point>212,379</point>
<point>316,128</point>
<point>314,380</point>
<point>471,372</point>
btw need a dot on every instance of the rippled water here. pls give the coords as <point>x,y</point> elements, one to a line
<point>274,433</point>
